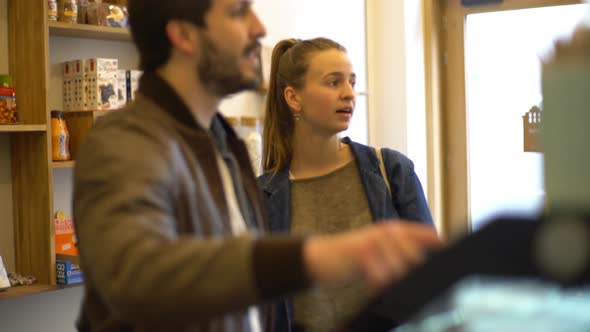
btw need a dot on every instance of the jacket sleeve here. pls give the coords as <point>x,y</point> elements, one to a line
<point>132,255</point>
<point>407,194</point>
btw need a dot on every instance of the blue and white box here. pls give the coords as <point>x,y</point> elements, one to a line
<point>68,273</point>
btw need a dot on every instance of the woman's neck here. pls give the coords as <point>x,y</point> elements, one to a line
<point>316,155</point>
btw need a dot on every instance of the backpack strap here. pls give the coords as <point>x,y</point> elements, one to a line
<point>382,169</point>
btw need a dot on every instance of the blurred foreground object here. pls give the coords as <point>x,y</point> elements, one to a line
<point>496,304</point>
<point>566,125</point>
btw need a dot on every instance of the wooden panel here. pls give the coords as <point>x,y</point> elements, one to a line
<point>518,4</point>
<point>435,145</point>
<point>88,31</point>
<point>27,43</point>
<point>31,206</point>
<point>22,128</point>
<point>31,174</point>
<point>454,120</point>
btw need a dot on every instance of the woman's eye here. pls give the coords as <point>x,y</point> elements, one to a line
<point>241,10</point>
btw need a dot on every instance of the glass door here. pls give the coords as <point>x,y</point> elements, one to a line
<point>492,69</point>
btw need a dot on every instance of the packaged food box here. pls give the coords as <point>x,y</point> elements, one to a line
<point>65,237</point>
<point>8,113</point>
<point>73,85</point>
<point>100,84</point>
<point>68,272</point>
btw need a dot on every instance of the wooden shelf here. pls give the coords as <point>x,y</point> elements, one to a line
<point>88,31</point>
<point>30,41</point>
<point>16,128</point>
<point>19,291</point>
<point>63,164</point>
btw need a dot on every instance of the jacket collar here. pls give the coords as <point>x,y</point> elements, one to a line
<point>366,159</point>
<point>271,184</point>
<point>156,89</point>
<point>152,86</point>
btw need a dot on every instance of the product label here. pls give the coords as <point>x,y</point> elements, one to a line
<point>62,146</point>
<point>65,236</point>
<point>8,109</point>
<point>68,273</point>
<point>63,226</point>
<point>6,91</point>
<point>8,99</point>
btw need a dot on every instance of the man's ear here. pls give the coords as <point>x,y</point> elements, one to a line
<point>183,36</point>
<point>292,99</point>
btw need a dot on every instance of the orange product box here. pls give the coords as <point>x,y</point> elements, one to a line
<point>65,237</point>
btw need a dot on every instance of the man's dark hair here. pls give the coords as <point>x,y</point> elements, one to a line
<point>148,19</point>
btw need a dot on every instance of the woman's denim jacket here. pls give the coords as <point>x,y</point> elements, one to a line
<point>408,201</point>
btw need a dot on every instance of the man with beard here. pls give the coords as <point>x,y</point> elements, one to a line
<point>168,215</point>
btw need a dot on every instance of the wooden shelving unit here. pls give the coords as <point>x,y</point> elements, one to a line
<point>19,128</point>
<point>63,164</point>
<point>30,35</point>
<point>32,178</point>
<point>88,31</point>
<point>26,290</point>
<point>20,291</point>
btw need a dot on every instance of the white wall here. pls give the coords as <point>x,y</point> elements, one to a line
<point>48,312</point>
<point>397,117</point>
<point>415,88</point>
<point>387,72</point>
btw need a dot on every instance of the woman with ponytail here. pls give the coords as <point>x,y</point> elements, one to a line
<point>316,182</point>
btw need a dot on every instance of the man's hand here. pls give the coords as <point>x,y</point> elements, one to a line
<point>380,253</point>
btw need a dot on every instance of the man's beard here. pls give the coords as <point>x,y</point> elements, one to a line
<point>220,73</point>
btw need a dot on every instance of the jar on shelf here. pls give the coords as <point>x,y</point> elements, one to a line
<point>251,133</point>
<point>68,11</point>
<point>8,113</point>
<point>52,10</point>
<point>60,137</point>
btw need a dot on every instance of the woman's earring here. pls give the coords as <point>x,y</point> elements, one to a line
<point>296,116</point>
